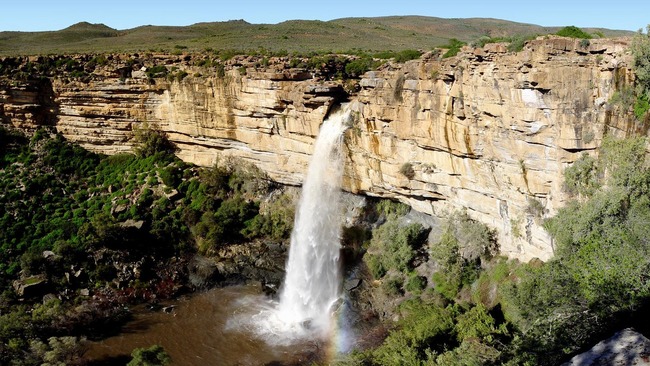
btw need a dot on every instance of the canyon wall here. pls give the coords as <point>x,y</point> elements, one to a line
<point>488,131</point>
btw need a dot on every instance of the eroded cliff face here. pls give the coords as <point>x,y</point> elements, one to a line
<point>488,131</point>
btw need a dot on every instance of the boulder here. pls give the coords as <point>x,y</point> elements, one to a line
<point>627,347</point>
<point>32,286</point>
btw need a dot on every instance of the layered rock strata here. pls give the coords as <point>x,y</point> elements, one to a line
<point>488,131</point>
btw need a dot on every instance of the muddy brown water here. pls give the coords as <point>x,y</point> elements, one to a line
<point>197,332</point>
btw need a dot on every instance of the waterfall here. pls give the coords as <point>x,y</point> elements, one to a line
<point>312,282</point>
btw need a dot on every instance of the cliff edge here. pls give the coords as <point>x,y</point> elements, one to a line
<point>489,131</point>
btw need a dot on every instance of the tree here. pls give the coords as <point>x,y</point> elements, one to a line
<point>573,32</point>
<point>149,141</point>
<point>640,48</point>
<point>152,356</point>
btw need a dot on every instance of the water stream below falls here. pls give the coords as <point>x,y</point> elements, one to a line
<point>196,333</point>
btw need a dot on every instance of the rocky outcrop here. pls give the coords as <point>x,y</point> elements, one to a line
<point>627,347</point>
<point>488,131</point>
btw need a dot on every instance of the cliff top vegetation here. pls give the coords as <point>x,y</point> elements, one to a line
<point>368,34</point>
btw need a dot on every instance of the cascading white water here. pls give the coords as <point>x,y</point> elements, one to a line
<point>312,283</point>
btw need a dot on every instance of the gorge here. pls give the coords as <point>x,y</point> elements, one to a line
<point>492,213</point>
<point>488,131</point>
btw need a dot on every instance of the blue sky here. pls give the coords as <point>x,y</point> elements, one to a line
<point>37,15</point>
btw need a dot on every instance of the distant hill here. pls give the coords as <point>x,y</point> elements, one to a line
<point>368,34</point>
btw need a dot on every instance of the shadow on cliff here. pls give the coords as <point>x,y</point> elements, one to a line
<point>48,109</point>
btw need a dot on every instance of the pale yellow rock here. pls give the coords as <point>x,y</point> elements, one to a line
<point>488,131</point>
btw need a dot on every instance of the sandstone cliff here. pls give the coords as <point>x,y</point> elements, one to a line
<point>489,131</point>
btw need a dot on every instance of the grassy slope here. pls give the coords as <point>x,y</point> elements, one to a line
<point>382,33</point>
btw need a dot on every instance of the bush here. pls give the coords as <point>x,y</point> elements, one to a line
<point>517,43</point>
<point>152,356</point>
<point>424,330</point>
<point>407,55</point>
<point>641,106</point>
<point>389,208</point>
<point>392,286</point>
<point>58,350</point>
<point>476,323</point>
<point>276,222</point>
<point>573,32</point>
<point>393,247</point>
<point>149,141</point>
<point>416,283</point>
<point>463,247</point>
<point>356,68</point>
<point>453,47</point>
<point>157,71</point>
<point>640,48</point>
<point>582,176</point>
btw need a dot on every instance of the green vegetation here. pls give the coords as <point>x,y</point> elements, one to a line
<point>515,43</point>
<point>394,247</point>
<point>77,224</point>
<point>597,279</point>
<point>453,47</point>
<point>152,356</point>
<point>356,68</point>
<point>573,32</point>
<point>401,56</point>
<point>641,51</point>
<point>464,248</point>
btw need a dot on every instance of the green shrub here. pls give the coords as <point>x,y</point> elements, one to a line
<point>453,47</point>
<point>483,40</point>
<point>478,324</point>
<point>416,283</point>
<point>157,71</point>
<point>389,208</point>
<point>582,176</point>
<point>463,247</point>
<point>171,175</point>
<point>641,106</point>
<point>356,68</point>
<point>58,350</point>
<point>407,55</point>
<point>152,356</point>
<point>392,286</point>
<point>149,141</point>
<point>517,43</point>
<point>640,48</point>
<point>276,222</point>
<point>375,265</point>
<point>573,32</point>
<point>424,330</point>
<point>393,246</point>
